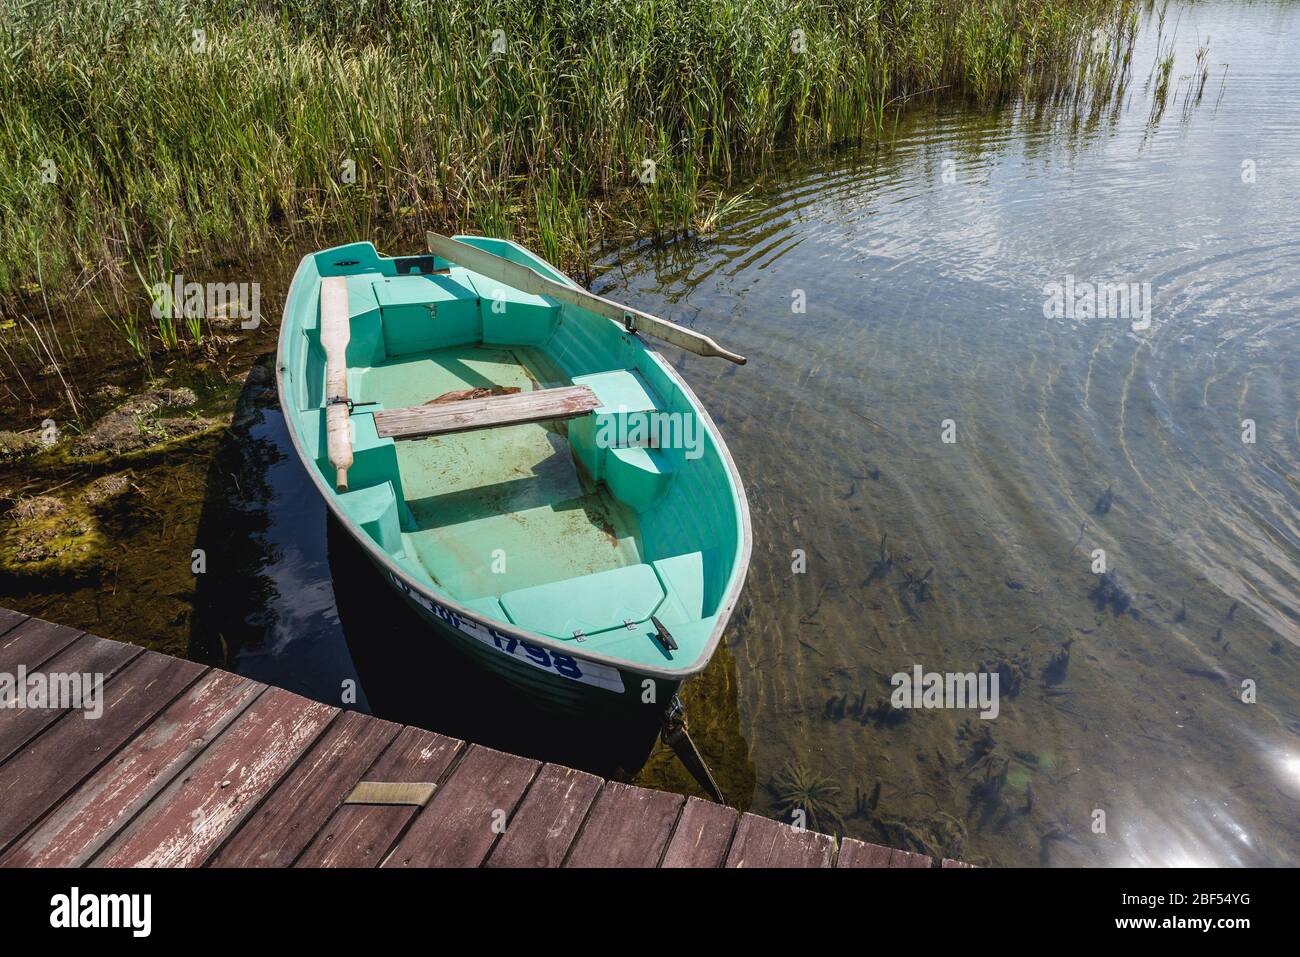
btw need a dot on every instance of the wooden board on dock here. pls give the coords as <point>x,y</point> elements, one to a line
<point>191,766</point>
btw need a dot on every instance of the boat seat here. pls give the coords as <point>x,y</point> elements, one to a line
<point>607,443</point>
<point>375,509</point>
<point>540,405</point>
<point>589,604</point>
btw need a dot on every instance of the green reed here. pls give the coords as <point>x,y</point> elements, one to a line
<point>138,136</point>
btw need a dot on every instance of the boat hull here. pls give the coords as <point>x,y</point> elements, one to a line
<point>565,684</point>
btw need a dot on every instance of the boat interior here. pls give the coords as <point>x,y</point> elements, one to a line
<point>580,527</point>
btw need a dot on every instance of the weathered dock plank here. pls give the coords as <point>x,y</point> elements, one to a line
<point>628,827</point>
<point>10,619</point>
<point>279,830</point>
<point>762,842</point>
<point>855,853</point>
<point>187,821</point>
<point>55,762</point>
<point>702,836</point>
<point>191,766</point>
<point>459,826</point>
<point>32,642</point>
<point>547,820</point>
<point>85,655</point>
<point>94,813</point>
<point>359,835</point>
<point>909,859</point>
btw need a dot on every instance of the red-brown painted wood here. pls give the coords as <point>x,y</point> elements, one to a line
<point>94,813</point>
<point>188,820</point>
<point>854,853</point>
<point>86,655</point>
<point>287,821</point>
<point>762,842</point>
<point>459,826</point>
<point>899,858</point>
<point>10,619</point>
<point>44,771</point>
<point>236,773</point>
<point>628,827</point>
<point>32,643</point>
<point>702,836</point>
<point>548,819</point>
<point>359,835</point>
<point>949,862</point>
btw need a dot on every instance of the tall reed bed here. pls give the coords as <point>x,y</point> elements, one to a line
<point>196,132</point>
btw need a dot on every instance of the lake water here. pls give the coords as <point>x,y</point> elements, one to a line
<point>889,299</point>
<point>922,268</point>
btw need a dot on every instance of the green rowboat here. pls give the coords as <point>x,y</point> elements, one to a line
<point>538,483</point>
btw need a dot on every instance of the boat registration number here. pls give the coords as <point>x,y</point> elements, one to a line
<point>566,666</point>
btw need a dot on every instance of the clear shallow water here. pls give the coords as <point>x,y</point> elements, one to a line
<point>924,303</point>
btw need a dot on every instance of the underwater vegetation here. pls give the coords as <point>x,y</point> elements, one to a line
<point>797,788</point>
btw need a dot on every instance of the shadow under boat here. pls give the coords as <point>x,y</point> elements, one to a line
<point>290,599</point>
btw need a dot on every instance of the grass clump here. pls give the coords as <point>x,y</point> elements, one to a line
<point>144,138</point>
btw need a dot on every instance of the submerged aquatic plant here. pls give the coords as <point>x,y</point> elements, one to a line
<point>797,788</point>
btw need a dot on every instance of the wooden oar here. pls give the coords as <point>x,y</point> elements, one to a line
<point>335,330</point>
<point>527,279</point>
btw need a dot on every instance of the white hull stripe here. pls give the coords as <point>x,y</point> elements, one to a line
<point>564,666</point>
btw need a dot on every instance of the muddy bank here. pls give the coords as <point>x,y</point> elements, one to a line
<point>98,519</point>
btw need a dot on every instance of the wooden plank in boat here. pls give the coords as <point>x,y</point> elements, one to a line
<point>33,642</point>
<point>184,824</point>
<point>702,835</point>
<point>540,405</point>
<point>762,842</point>
<point>94,813</point>
<point>86,655</point>
<point>359,835</point>
<point>55,763</point>
<point>464,819</point>
<point>948,862</point>
<point>288,820</point>
<point>628,827</point>
<point>548,819</point>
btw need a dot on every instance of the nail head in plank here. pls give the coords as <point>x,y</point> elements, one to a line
<point>762,842</point>
<point>278,831</point>
<point>187,821</point>
<point>702,835</point>
<point>94,813</point>
<point>540,405</point>
<point>359,835</point>
<point>463,820</point>
<point>548,819</point>
<point>628,827</point>
<point>41,774</point>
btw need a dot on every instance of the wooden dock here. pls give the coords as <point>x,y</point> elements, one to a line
<point>190,766</point>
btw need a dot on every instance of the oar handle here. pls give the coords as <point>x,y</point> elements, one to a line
<point>524,277</point>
